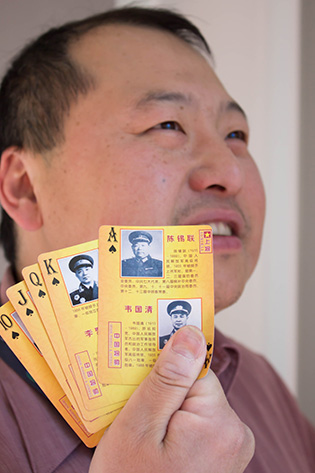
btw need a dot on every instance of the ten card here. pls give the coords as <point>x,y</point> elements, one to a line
<point>31,358</point>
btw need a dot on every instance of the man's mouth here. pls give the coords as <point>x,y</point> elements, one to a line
<point>225,237</point>
<point>228,227</point>
<point>221,229</point>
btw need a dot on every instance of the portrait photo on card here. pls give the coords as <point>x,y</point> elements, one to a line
<point>174,314</point>
<point>142,253</point>
<point>80,275</point>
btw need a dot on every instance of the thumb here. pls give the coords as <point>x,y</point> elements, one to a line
<point>162,393</point>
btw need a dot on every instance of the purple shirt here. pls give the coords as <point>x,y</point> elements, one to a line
<point>285,440</point>
<point>35,438</point>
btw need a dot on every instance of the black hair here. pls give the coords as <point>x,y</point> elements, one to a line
<point>44,81</point>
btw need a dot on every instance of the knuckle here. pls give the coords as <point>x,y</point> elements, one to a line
<point>241,442</point>
<point>249,442</point>
<point>169,374</point>
<point>241,437</point>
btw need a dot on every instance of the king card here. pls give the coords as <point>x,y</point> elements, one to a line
<point>71,278</point>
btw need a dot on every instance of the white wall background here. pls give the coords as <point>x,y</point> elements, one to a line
<point>23,20</point>
<point>256,48</point>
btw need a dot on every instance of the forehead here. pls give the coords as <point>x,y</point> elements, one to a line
<point>128,44</point>
<point>138,60</point>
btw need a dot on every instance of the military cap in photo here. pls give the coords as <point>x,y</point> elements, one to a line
<point>79,261</point>
<point>179,307</point>
<point>139,235</point>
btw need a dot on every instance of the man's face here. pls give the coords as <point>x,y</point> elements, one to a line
<point>84,274</point>
<point>157,142</point>
<point>179,319</point>
<point>140,249</point>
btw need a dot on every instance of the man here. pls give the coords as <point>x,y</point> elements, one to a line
<point>128,103</point>
<point>179,312</point>
<point>82,266</point>
<point>142,265</point>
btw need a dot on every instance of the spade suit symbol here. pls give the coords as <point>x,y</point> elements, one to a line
<point>208,357</point>
<point>15,335</point>
<point>29,312</point>
<point>112,249</point>
<point>41,293</point>
<point>55,282</point>
<point>207,360</point>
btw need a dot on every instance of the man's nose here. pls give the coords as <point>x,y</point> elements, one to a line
<point>217,169</point>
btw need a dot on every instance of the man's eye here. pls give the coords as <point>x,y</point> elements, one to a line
<point>237,135</point>
<point>170,125</point>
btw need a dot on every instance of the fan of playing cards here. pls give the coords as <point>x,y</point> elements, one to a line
<point>88,321</point>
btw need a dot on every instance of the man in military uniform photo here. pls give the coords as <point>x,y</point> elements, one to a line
<point>82,266</point>
<point>179,312</point>
<point>142,265</point>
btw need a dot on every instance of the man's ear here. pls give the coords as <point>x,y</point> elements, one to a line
<point>16,190</point>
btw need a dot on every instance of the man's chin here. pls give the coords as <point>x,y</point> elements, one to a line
<point>229,283</point>
<point>226,301</point>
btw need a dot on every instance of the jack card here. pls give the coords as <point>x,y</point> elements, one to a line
<point>21,299</point>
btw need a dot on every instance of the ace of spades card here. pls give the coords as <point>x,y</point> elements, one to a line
<point>155,274</point>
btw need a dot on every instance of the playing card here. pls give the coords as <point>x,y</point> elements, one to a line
<point>39,294</point>
<point>71,278</point>
<point>31,358</point>
<point>153,280</point>
<point>22,301</point>
<point>23,305</point>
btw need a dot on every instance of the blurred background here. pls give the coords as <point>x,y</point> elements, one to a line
<point>264,55</point>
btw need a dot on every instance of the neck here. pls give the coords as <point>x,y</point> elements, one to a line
<point>29,246</point>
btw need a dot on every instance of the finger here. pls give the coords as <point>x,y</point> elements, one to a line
<point>205,392</point>
<point>164,390</point>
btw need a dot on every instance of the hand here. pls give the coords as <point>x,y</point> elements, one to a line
<point>173,422</point>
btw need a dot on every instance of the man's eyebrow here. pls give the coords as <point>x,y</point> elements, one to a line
<point>234,106</point>
<point>157,96</point>
<point>163,96</point>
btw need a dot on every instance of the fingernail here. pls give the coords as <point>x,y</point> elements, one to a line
<point>188,342</point>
